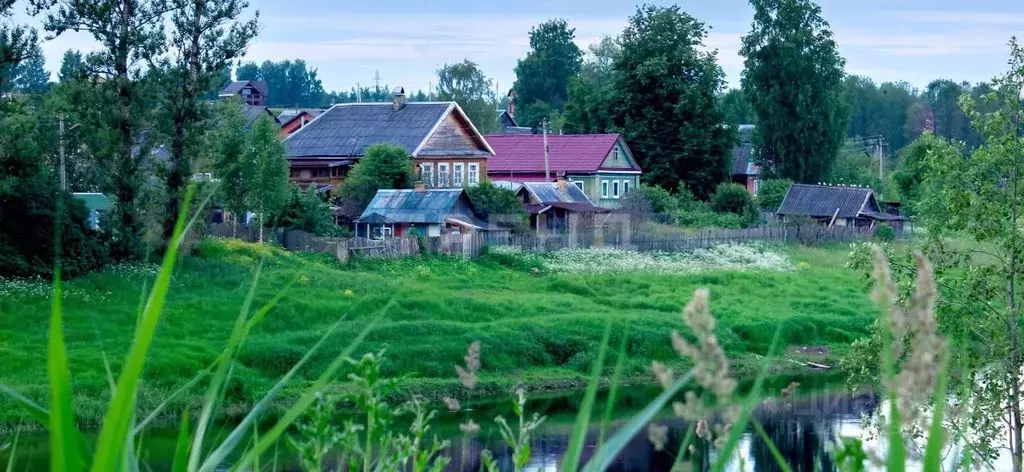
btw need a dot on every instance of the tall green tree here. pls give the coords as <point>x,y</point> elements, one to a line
<point>205,39</point>
<point>17,43</point>
<point>265,171</point>
<point>289,83</point>
<point>31,75</point>
<point>130,35</point>
<point>943,97</point>
<point>737,108</point>
<point>384,166</point>
<point>72,66</point>
<point>227,145</point>
<point>793,78</point>
<point>465,84</point>
<point>662,98</point>
<point>910,174</point>
<point>543,76</point>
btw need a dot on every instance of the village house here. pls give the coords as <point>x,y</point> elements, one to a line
<point>599,165</point>
<point>394,213</point>
<point>555,207</point>
<point>292,120</point>
<point>446,148</point>
<point>837,205</point>
<point>744,170</point>
<point>252,92</point>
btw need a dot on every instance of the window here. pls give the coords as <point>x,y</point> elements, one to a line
<point>427,174</point>
<point>615,189</point>
<point>604,189</point>
<point>382,231</point>
<point>321,172</point>
<point>294,172</point>
<point>615,153</point>
<point>625,187</point>
<point>442,175</point>
<point>474,174</point>
<point>338,171</point>
<point>457,172</point>
<point>757,186</point>
<point>579,185</point>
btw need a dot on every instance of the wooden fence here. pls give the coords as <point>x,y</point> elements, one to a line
<point>471,245</point>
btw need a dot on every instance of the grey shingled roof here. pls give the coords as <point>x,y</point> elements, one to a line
<point>418,206</point>
<point>347,130</point>
<point>742,153</point>
<point>548,192</point>
<point>821,201</point>
<point>253,113</point>
<point>234,87</point>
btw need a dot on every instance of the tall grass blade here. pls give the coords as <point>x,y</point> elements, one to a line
<point>779,460</point>
<point>289,417</point>
<point>116,421</point>
<point>14,451</point>
<point>604,456</point>
<point>748,408</point>
<point>221,375</point>
<point>571,460</point>
<point>609,407</point>
<point>64,437</point>
<point>180,463</point>
<point>167,401</point>
<point>936,432</point>
<point>691,433</point>
<point>36,412</point>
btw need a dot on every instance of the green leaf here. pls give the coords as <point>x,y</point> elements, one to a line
<point>304,401</point>
<point>779,460</point>
<point>936,432</point>
<point>604,456</point>
<point>609,408</point>
<point>38,413</point>
<point>117,420</point>
<point>167,400</point>
<point>65,454</point>
<point>14,450</point>
<point>753,399</point>
<point>180,463</point>
<point>691,433</point>
<point>571,460</point>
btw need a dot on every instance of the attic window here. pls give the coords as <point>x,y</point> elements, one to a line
<point>579,185</point>
<point>615,153</point>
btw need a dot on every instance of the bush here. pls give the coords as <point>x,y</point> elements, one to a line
<point>885,233</point>
<point>771,193</point>
<point>709,219</point>
<point>307,211</point>
<point>661,200</point>
<point>490,200</point>
<point>734,198</point>
<point>384,166</point>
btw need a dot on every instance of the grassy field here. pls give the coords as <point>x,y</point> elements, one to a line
<point>538,329</point>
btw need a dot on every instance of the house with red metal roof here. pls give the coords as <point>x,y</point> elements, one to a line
<point>600,165</point>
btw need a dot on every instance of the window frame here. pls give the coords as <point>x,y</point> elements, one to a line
<point>580,185</point>
<point>615,189</point>
<point>615,153</point>
<point>458,169</point>
<point>443,174</point>
<point>427,174</point>
<point>474,174</point>
<point>604,189</point>
<point>625,187</point>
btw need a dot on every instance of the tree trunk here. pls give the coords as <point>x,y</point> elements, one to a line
<point>124,180</point>
<point>1014,367</point>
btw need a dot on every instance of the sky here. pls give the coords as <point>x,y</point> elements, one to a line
<point>348,41</point>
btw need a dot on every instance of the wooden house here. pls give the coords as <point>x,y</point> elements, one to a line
<point>446,148</point>
<point>744,170</point>
<point>599,165</point>
<point>393,213</point>
<point>252,92</point>
<point>556,207</point>
<point>837,206</point>
<point>292,120</point>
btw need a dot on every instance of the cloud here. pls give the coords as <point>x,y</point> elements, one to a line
<point>960,17</point>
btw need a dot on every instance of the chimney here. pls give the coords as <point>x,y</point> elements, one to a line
<point>398,102</point>
<point>560,179</point>
<point>511,107</point>
<point>420,186</point>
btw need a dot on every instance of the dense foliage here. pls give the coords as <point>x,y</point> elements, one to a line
<point>735,199</point>
<point>910,175</point>
<point>542,77</point>
<point>265,170</point>
<point>771,193</point>
<point>465,84</point>
<point>289,83</point>
<point>793,79</point>
<point>497,205</point>
<point>383,166</point>
<point>308,211</point>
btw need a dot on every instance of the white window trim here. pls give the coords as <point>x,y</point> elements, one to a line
<point>474,174</point>
<point>615,153</point>
<point>615,189</point>
<point>427,170</point>
<point>604,188</point>
<point>458,171</point>
<point>443,175</point>
<point>625,187</point>
<point>580,185</point>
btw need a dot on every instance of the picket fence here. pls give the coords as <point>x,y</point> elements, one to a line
<point>472,245</point>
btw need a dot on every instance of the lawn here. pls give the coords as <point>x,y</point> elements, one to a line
<point>540,328</point>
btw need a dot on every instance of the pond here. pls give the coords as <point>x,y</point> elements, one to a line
<point>803,431</point>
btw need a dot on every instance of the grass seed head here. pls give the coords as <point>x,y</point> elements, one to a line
<point>452,404</point>
<point>663,374</point>
<point>658,435</point>
<point>469,427</point>
<point>468,375</point>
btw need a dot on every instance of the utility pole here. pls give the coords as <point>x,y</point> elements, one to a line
<point>63,174</point>
<point>547,168</point>
<point>881,167</point>
<point>376,81</point>
<point>359,93</point>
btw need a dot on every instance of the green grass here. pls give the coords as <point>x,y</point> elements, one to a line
<point>542,330</point>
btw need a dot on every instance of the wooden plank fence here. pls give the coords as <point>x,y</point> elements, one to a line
<point>471,245</point>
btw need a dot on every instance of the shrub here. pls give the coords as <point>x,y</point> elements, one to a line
<point>734,198</point>
<point>660,200</point>
<point>383,166</point>
<point>307,211</point>
<point>885,233</point>
<point>490,200</point>
<point>771,193</point>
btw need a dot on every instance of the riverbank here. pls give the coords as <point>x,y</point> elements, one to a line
<point>540,330</point>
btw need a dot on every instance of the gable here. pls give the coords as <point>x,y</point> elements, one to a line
<point>453,137</point>
<point>618,157</point>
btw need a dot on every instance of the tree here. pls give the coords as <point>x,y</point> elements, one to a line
<point>247,71</point>
<point>982,197</point>
<point>855,165</point>
<point>734,198</point>
<point>205,40</point>
<point>490,200</point>
<point>265,170</point>
<point>737,108</point>
<point>465,84</point>
<point>307,211</point>
<point>17,43</point>
<point>382,167</point>
<point>129,34</point>
<point>949,120</point>
<point>289,83</point>
<point>543,75</point>
<point>31,75</point>
<point>228,151</point>
<point>662,98</point>
<point>771,193</point>
<point>793,78</point>
<point>910,173</point>
<point>72,66</point>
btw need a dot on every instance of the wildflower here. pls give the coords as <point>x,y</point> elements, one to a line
<point>452,404</point>
<point>304,280</point>
<point>702,429</point>
<point>535,271</point>
<point>803,265</point>
<point>663,374</point>
<point>348,292</point>
<point>711,368</point>
<point>658,435</point>
<point>468,375</point>
<point>790,390</point>
<point>469,427</point>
